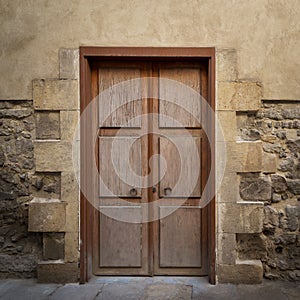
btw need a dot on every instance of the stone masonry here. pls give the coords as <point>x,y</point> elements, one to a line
<point>56,104</point>
<point>258,194</point>
<point>39,196</point>
<point>277,126</point>
<point>19,249</point>
<point>257,200</point>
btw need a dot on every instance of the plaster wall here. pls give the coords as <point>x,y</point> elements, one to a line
<point>257,45</point>
<point>266,35</point>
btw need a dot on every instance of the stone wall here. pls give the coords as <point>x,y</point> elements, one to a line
<point>54,210</point>
<point>19,249</point>
<point>277,126</point>
<point>257,167</point>
<point>257,217</point>
<point>32,217</point>
<point>266,36</point>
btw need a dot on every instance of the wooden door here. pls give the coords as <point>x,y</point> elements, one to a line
<point>168,232</point>
<point>180,231</point>
<point>121,247</point>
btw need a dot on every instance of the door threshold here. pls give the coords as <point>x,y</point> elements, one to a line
<point>187,280</point>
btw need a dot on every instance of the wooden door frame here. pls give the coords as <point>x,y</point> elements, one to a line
<point>87,56</point>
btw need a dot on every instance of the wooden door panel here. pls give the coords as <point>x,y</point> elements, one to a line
<point>171,245</point>
<point>120,174</point>
<point>182,157</point>
<point>180,237</point>
<point>119,104</point>
<point>181,105</point>
<point>120,242</point>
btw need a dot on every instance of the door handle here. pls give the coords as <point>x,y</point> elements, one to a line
<point>133,192</point>
<point>153,189</point>
<point>167,191</point>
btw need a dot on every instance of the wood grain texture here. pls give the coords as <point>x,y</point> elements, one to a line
<point>180,237</point>
<point>119,97</point>
<point>120,166</point>
<point>182,167</point>
<point>181,105</point>
<point>120,242</point>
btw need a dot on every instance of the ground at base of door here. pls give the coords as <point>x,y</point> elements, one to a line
<point>146,288</point>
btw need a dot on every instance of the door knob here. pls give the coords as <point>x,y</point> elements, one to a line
<point>133,192</point>
<point>153,189</point>
<point>167,191</point>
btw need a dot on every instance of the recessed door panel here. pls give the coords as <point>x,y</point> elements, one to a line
<point>180,237</point>
<point>120,166</point>
<point>179,94</point>
<point>120,93</point>
<point>180,162</point>
<point>120,242</point>
<point>150,169</point>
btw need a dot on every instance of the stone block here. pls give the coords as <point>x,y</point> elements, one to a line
<point>53,156</point>
<point>226,129</point>
<point>278,183</point>
<point>72,216</point>
<point>68,63</point>
<point>269,162</point>
<point>71,246</point>
<point>239,96</point>
<point>294,186</point>
<point>53,246</point>
<point>293,217</point>
<point>246,127</point>
<point>225,194</point>
<point>69,187</point>
<point>46,215</point>
<point>245,156</point>
<point>251,246</point>
<point>226,64</point>
<point>272,220</point>
<point>70,194</point>
<point>57,272</point>
<point>222,168</point>
<point>255,187</point>
<point>53,94</point>
<point>46,185</point>
<point>47,125</point>
<point>286,165</point>
<point>240,217</point>
<point>221,155</point>
<point>243,272</point>
<point>68,121</point>
<point>226,246</point>
<point>276,198</point>
<point>292,134</point>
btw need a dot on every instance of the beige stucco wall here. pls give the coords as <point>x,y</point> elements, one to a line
<point>266,35</point>
<point>263,38</point>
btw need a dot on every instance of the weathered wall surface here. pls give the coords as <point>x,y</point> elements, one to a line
<point>19,249</point>
<point>257,46</point>
<point>277,126</point>
<point>265,33</point>
<point>25,241</point>
<point>258,216</point>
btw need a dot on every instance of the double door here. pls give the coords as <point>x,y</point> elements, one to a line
<point>152,159</point>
